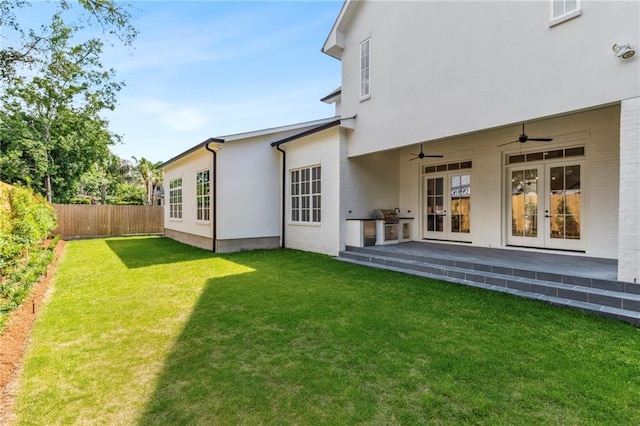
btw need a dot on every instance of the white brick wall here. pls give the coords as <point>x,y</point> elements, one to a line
<point>629,210</point>
<point>597,130</point>
<point>319,149</point>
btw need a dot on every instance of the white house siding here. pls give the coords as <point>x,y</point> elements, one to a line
<point>247,187</point>
<point>188,229</point>
<point>446,68</point>
<point>629,214</point>
<point>321,149</point>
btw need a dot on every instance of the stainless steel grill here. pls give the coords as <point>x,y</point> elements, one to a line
<point>390,216</point>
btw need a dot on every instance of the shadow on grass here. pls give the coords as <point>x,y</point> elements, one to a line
<point>141,252</point>
<point>228,364</point>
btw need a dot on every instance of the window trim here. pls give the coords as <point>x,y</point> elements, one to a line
<point>175,214</point>
<point>363,69</point>
<point>305,206</point>
<point>556,20</point>
<point>206,207</point>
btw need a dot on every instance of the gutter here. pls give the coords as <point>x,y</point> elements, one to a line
<point>214,187</point>
<point>284,188</point>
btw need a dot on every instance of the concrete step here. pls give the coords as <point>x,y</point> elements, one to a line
<point>610,303</point>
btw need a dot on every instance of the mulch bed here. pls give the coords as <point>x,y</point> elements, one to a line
<point>14,336</point>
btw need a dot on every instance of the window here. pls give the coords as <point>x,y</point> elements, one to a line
<point>175,198</point>
<point>203,198</point>
<point>306,195</point>
<point>563,10</point>
<point>365,62</point>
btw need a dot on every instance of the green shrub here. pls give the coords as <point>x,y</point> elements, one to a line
<point>78,200</point>
<point>25,221</point>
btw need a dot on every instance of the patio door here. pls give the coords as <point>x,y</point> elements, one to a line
<point>545,203</point>
<point>447,206</point>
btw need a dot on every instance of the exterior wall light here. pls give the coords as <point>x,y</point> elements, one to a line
<point>624,51</point>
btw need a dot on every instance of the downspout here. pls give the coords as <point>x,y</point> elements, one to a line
<point>214,203</point>
<point>284,189</point>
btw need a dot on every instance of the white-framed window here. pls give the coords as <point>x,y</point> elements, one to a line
<point>203,196</point>
<point>563,10</point>
<point>306,195</point>
<point>365,69</point>
<point>175,198</point>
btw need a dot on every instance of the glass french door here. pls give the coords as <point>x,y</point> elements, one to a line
<point>447,207</point>
<point>546,206</point>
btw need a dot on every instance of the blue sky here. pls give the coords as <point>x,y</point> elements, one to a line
<point>209,68</point>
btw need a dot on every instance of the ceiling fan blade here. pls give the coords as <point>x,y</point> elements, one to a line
<point>435,156</point>
<point>503,144</point>
<point>414,158</point>
<point>540,139</point>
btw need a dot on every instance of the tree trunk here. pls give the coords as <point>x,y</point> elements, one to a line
<point>47,187</point>
<point>149,192</point>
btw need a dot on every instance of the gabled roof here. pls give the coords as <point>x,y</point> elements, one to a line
<point>251,134</point>
<point>334,44</point>
<point>307,132</point>
<point>285,128</point>
<point>347,123</point>
<point>333,96</point>
<point>191,150</point>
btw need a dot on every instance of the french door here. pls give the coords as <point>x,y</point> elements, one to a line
<point>546,205</point>
<point>447,206</point>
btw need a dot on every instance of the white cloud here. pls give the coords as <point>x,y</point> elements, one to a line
<point>176,117</point>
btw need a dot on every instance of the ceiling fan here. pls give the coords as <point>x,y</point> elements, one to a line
<point>524,138</point>
<point>423,155</point>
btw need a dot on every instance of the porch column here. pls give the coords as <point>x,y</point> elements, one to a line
<point>629,211</point>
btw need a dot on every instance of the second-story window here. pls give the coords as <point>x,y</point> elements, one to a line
<point>365,62</point>
<point>564,9</point>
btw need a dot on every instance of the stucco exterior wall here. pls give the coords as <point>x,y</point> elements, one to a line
<point>248,190</point>
<point>321,149</point>
<point>246,184</point>
<point>433,78</point>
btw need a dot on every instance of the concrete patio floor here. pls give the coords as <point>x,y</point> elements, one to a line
<point>563,263</point>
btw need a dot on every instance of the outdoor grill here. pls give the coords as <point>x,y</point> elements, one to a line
<point>390,221</point>
<point>389,216</point>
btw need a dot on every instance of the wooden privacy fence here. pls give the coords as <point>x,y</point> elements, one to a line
<point>83,221</point>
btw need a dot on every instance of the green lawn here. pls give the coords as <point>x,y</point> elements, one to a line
<point>149,331</point>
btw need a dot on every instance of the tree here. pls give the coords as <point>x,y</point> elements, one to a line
<point>111,15</point>
<point>151,176</point>
<point>112,181</point>
<point>50,126</point>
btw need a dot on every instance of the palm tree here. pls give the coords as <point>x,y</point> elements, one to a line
<point>150,174</point>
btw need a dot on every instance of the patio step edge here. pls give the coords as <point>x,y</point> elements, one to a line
<point>620,306</point>
<point>603,284</point>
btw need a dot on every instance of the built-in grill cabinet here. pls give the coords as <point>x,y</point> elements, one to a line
<point>387,225</point>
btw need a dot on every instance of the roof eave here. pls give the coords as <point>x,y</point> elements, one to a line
<point>334,43</point>
<point>192,150</point>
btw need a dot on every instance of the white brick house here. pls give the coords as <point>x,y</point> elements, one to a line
<point>458,79</point>
<point>461,79</point>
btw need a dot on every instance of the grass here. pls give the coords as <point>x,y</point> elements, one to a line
<point>149,331</point>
